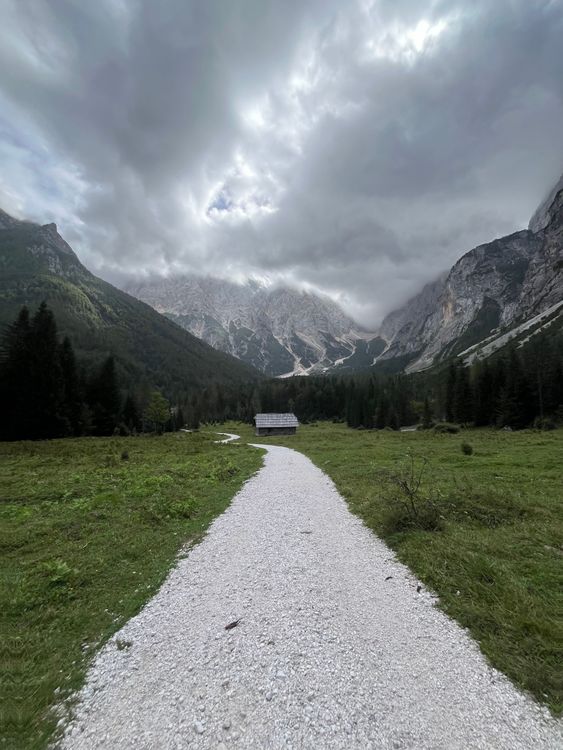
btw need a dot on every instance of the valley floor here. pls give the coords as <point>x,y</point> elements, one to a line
<point>333,631</point>
<point>332,643</point>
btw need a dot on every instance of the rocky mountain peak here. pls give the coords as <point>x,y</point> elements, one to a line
<point>278,329</point>
<point>543,213</point>
<point>34,247</point>
<point>7,221</point>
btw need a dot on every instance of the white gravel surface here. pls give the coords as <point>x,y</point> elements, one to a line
<point>334,649</point>
<point>229,437</point>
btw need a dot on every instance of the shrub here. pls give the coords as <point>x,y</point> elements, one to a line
<point>447,427</point>
<point>408,505</point>
<point>544,423</point>
<point>398,518</point>
<point>467,449</point>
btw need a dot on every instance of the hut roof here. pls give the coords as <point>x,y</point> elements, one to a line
<point>276,420</point>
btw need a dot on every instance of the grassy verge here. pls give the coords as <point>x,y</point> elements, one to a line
<point>90,528</point>
<point>497,560</point>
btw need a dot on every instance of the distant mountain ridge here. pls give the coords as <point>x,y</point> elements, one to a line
<point>279,330</point>
<point>37,264</point>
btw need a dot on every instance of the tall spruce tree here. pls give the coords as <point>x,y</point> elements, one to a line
<point>484,406</point>
<point>73,402</point>
<point>104,399</point>
<point>515,406</point>
<point>450,392</point>
<point>426,414</point>
<point>47,394</point>
<point>463,397</point>
<point>131,416</point>
<point>15,378</point>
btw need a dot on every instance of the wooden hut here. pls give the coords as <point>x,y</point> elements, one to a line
<point>276,424</point>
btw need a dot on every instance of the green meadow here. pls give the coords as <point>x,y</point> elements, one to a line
<point>494,552</point>
<point>89,529</point>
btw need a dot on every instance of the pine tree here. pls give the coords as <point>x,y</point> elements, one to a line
<point>73,403</point>
<point>104,399</point>
<point>393,419</point>
<point>484,406</point>
<point>450,392</point>
<point>194,414</point>
<point>426,415</point>
<point>46,398</point>
<point>516,403</point>
<point>381,418</point>
<point>15,378</point>
<point>463,397</point>
<point>180,420</point>
<point>131,416</point>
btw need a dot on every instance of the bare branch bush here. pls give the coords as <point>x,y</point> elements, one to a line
<point>410,499</point>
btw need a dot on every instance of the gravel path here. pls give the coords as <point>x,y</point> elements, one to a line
<point>229,437</point>
<point>334,649</point>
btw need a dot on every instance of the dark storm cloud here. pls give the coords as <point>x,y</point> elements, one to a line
<point>358,147</point>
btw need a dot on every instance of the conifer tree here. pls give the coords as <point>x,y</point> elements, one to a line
<point>46,394</point>
<point>73,398</point>
<point>104,399</point>
<point>426,414</point>
<point>179,419</point>
<point>450,392</point>
<point>15,380</point>
<point>381,419</point>
<point>131,416</point>
<point>484,406</point>
<point>463,397</point>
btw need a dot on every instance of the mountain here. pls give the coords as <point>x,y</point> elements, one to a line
<point>37,264</point>
<point>507,288</point>
<point>278,330</point>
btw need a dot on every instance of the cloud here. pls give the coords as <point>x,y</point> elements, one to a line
<point>357,148</point>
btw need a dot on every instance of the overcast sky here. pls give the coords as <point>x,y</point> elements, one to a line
<point>357,146</point>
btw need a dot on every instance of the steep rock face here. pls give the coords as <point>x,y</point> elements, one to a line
<point>405,329</point>
<point>543,285</point>
<point>543,213</point>
<point>277,330</point>
<point>7,221</point>
<point>493,286</point>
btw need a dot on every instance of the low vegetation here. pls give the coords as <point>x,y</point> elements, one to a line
<point>90,528</point>
<point>483,528</point>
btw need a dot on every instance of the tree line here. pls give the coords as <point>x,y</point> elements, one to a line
<point>521,388</point>
<point>46,393</point>
<point>517,388</point>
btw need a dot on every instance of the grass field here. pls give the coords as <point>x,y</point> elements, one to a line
<point>497,561</point>
<point>90,527</point>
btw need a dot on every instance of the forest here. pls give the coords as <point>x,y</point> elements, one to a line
<point>46,393</point>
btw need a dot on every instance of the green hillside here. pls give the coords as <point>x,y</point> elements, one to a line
<point>36,264</point>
